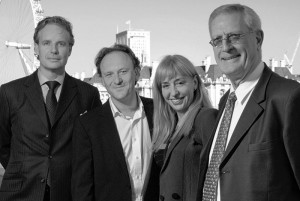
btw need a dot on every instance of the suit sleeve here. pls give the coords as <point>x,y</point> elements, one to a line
<point>82,165</point>
<point>5,129</point>
<point>291,133</point>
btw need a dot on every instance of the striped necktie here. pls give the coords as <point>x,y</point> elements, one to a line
<point>51,101</point>
<point>212,174</point>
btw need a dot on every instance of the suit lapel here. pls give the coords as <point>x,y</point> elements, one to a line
<point>110,128</point>
<point>252,111</point>
<point>173,144</point>
<point>248,117</point>
<point>148,107</point>
<point>35,96</point>
<point>169,151</point>
<point>68,93</point>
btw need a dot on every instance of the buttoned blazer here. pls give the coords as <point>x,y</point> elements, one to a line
<point>179,173</point>
<point>99,165</point>
<point>262,159</point>
<point>28,147</point>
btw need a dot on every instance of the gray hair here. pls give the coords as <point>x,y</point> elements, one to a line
<point>251,18</point>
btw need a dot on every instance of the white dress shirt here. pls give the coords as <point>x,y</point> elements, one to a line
<point>136,141</point>
<point>45,88</point>
<point>243,93</point>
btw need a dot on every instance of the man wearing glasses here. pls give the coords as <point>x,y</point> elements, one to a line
<point>254,154</point>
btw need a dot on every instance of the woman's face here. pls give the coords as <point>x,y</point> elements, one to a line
<point>178,92</point>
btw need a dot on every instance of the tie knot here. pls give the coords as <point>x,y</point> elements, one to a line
<point>232,97</point>
<point>52,84</point>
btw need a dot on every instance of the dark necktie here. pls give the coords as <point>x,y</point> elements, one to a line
<point>51,101</point>
<point>212,174</point>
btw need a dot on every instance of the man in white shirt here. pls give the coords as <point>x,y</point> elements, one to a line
<point>254,152</point>
<point>112,145</point>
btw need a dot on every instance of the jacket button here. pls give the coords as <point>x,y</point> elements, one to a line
<point>175,196</point>
<point>43,180</point>
<point>50,157</point>
<point>161,198</point>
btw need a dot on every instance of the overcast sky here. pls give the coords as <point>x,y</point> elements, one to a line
<point>176,26</point>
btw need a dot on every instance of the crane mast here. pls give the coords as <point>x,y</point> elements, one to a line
<point>290,62</point>
<point>295,52</point>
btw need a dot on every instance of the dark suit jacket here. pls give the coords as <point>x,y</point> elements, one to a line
<point>99,165</point>
<point>28,147</point>
<point>179,173</point>
<point>262,160</point>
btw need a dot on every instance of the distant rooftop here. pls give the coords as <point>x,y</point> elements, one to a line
<point>146,72</point>
<point>200,70</point>
<point>284,72</point>
<point>214,72</point>
<point>95,79</point>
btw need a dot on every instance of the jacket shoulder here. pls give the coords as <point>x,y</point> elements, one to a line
<point>15,88</point>
<point>15,83</point>
<point>83,85</point>
<point>148,104</point>
<point>204,123</point>
<point>283,83</point>
<point>146,100</point>
<point>206,114</point>
<point>101,111</point>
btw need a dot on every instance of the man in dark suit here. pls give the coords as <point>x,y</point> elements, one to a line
<point>112,150</point>
<point>254,154</point>
<point>36,120</point>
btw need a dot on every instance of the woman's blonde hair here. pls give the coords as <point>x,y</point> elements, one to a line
<point>166,124</point>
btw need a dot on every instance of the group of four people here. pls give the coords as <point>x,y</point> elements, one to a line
<point>174,147</point>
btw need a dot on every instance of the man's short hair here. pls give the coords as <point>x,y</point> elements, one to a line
<point>58,20</point>
<point>117,48</point>
<point>250,17</point>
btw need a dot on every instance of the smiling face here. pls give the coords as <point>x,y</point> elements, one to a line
<point>119,76</point>
<point>53,48</point>
<point>239,59</point>
<point>178,92</point>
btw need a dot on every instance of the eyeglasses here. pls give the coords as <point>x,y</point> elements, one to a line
<point>230,38</point>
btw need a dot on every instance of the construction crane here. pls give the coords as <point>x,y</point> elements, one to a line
<point>290,62</point>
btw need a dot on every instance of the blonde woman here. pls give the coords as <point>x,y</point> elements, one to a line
<point>183,121</point>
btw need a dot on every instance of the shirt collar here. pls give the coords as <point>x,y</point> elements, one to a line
<point>116,111</point>
<point>248,84</point>
<point>43,79</point>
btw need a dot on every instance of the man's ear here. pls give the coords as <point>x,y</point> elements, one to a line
<point>137,74</point>
<point>36,50</point>
<point>259,38</point>
<point>70,50</point>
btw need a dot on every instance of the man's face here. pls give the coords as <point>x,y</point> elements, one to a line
<point>53,48</point>
<point>119,76</point>
<point>236,60</point>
